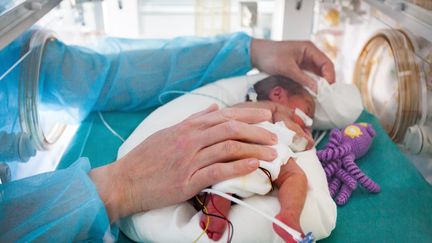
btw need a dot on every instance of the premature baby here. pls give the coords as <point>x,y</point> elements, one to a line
<point>292,105</point>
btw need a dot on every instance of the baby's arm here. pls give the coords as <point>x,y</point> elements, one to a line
<point>292,183</point>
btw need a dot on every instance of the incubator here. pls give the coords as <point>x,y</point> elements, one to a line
<point>382,46</point>
<point>385,49</point>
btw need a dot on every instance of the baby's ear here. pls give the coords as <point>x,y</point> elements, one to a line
<point>276,93</point>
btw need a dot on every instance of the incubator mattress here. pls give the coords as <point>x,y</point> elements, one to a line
<point>401,212</point>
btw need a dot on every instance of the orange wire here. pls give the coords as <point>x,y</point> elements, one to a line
<point>207,223</point>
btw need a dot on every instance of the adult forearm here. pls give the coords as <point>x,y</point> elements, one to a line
<point>62,206</point>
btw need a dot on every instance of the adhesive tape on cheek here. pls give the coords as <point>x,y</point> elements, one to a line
<point>305,118</point>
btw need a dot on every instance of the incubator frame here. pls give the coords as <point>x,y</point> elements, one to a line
<point>410,84</point>
<point>29,88</point>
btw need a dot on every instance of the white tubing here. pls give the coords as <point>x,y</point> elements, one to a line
<point>110,128</point>
<point>296,235</point>
<point>320,137</point>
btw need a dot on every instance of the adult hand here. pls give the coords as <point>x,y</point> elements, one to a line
<point>289,58</point>
<point>176,163</point>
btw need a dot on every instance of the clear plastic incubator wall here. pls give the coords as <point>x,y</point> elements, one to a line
<point>384,47</point>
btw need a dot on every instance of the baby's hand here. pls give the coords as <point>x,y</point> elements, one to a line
<point>286,114</point>
<point>299,132</point>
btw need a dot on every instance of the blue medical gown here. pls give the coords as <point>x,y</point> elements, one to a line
<point>116,74</point>
<point>127,75</point>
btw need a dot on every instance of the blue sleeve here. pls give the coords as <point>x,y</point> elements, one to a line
<point>127,74</point>
<point>59,206</point>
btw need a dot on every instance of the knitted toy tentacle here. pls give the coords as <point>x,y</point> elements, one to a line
<point>322,155</point>
<point>371,131</point>
<point>335,138</point>
<point>361,177</point>
<point>369,184</point>
<point>329,154</point>
<point>344,194</point>
<point>331,168</point>
<point>346,178</point>
<point>334,186</point>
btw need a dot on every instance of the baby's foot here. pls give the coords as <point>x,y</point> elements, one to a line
<point>289,219</point>
<point>217,225</point>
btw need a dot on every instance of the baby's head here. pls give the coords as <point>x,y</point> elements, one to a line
<point>286,92</point>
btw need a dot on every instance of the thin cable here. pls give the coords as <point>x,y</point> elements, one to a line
<point>223,215</point>
<point>231,225</point>
<point>188,92</point>
<point>320,137</point>
<point>229,239</point>
<point>295,234</point>
<point>268,174</point>
<point>15,64</point>
<point>110,128</point>
<point>204,208</point>
<point>84,143</point>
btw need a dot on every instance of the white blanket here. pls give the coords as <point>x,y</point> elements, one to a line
<point>180,223</point>
<point>258,182</point>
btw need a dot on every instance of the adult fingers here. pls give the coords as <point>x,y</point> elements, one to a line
<point>295,73</point>
<point>234,150</point>
<point>328,72</point>
<point>211,108</point>
<point>320,62</point>
<point>235,130</point>
<point>247,115</point>
<point>218,172</point>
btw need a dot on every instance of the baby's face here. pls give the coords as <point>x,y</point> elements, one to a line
<point>302,102</point>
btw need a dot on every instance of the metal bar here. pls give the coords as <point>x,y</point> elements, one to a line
<point>21,17</point>
<point>407,15</point>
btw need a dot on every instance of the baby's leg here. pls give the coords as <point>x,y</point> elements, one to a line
<point>219,206</point>
<point>292,183</point>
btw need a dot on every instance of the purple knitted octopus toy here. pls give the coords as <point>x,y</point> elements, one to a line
<point>338,160</point>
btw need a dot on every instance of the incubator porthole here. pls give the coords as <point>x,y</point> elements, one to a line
<point>388,77</point>
<point>37,119</point>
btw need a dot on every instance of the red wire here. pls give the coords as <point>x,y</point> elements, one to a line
<point>226,219</point>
